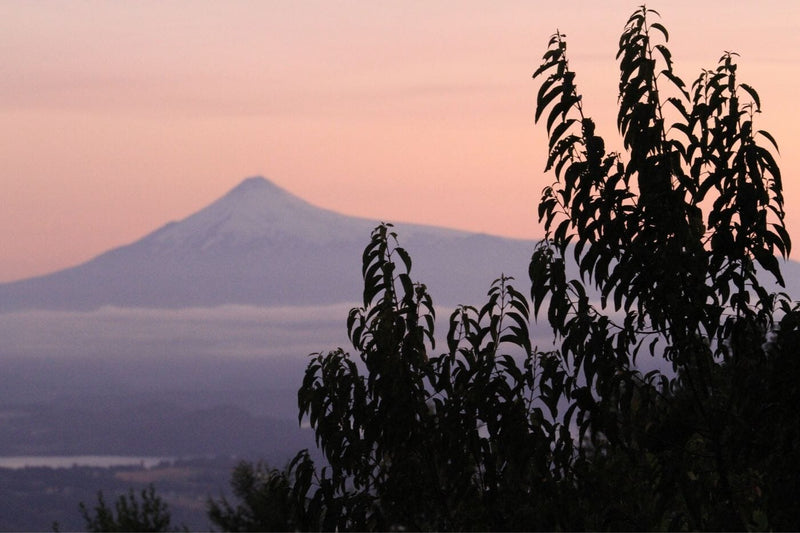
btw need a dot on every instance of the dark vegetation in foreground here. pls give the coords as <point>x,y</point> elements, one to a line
<point>494,434</point>
<point>33,499</point>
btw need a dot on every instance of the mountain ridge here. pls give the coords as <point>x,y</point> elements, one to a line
<point>258,244</point>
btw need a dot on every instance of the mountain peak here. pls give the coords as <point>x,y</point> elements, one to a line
<point>254,183</point>
<point>259,244</point>
<point>259,209</point>
<point>259,193</point>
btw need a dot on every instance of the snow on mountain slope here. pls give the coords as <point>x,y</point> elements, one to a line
<point>260,245</point>
<point>259,210</point>
<point>255,210</point>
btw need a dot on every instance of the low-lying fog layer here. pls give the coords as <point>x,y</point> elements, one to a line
<point>228,331</point>
<point>232,330</point>
<point>144,381</point>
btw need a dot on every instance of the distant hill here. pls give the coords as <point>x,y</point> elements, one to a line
<point>260,245</point>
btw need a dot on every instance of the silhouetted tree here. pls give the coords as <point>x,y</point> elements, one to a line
<point>673,239</point>
<point>495,434</point>
<point>268,498</point>
<point>147,512</point>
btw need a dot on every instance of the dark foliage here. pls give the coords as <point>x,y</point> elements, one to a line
<point>147,512</point>
<point>494,434</point>
<point>673,240</point>
<point>268,501</point>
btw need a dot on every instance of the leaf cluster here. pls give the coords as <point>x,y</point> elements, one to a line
<point>423,441</point>
<point>145,512</point>
<point>268,498</point>
<point>672,240</point>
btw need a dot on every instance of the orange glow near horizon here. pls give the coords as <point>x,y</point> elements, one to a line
<point>119,117</point>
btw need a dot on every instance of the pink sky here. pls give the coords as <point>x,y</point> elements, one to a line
<point>121,116</point>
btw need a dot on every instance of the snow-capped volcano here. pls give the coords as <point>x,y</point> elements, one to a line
<point>260,245</point>
<point>257,209</point>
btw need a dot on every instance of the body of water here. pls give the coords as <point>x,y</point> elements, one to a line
<point>67,461</point>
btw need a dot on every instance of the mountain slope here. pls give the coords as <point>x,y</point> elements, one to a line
<point>260,245</point>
